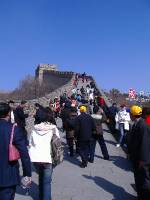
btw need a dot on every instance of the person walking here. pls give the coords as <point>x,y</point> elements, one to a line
<point>99,117</point>
<point>70,131</point>
<point>139,153</point>
<point>12,107</point>
<point>122,120</point>
<point>40,152</point>
<point>9,170</point>
<point>20,118</point>
<point>65,113</point>
<point>112,111</point>
<point>84,126</point>
<point>38,110</point>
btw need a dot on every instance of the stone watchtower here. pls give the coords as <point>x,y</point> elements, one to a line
<point>42,69</point>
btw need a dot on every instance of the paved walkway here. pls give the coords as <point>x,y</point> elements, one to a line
<point>102,180</point>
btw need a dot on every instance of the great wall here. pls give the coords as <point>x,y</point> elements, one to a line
<point>63,82</point>
<point>63,79</point>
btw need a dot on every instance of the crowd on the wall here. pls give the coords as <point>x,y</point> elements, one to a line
<point>83,114</point>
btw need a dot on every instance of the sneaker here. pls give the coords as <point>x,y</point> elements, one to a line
<point>117,145</point>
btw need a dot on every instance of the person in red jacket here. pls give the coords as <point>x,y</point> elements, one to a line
<point>146,114</point>
<point>101,101</point>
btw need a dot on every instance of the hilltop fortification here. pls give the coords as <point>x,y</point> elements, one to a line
<point>49,74</point>
<point>43,70</point>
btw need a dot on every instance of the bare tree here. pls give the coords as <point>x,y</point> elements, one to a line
<point>114,94</point>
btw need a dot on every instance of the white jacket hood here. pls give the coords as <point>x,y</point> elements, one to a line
<point>44,128</point>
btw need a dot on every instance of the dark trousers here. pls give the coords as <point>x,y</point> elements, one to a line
<point>25,134</point>
<point>112,125</point>
<point>7,193</point>
<point>142,182</point>
<point>102,144</point>
<point>84,148</point>
<point>70,142</point>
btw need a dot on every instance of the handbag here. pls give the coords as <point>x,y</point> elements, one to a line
<point>57,150</point>
<point>13,151</point>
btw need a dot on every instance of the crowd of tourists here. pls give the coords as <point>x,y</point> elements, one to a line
<point>83,114</point>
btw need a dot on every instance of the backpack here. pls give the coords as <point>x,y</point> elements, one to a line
<point>57,150</point>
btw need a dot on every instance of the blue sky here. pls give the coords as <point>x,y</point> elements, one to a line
<point>109,39</point>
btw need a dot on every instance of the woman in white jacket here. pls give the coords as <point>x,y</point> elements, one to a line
<point>40,152</point>
<point>122,120</point>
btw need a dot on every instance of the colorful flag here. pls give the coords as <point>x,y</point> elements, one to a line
<point>132,93</point>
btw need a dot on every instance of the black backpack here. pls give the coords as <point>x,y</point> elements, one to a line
<point>57,150</point>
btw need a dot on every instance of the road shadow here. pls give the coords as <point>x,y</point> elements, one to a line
<point>121,162</point>
<point>74,160</point>
<point>118,192</point>
<point>33,191</point>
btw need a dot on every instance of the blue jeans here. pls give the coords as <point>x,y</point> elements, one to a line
<point>122,134</point>
<point>45,176</point>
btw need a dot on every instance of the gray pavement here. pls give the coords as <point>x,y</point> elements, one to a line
<point>101,180</point>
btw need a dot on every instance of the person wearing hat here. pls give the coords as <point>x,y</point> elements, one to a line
<point>139,153</point>
<point>84,125</point>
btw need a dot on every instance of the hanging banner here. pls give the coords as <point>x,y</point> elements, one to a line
<point>132,93</point>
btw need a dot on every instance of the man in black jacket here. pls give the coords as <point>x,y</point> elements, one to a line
<point>9,170</point>
<point>139,153</point>
<point>84,128</point>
